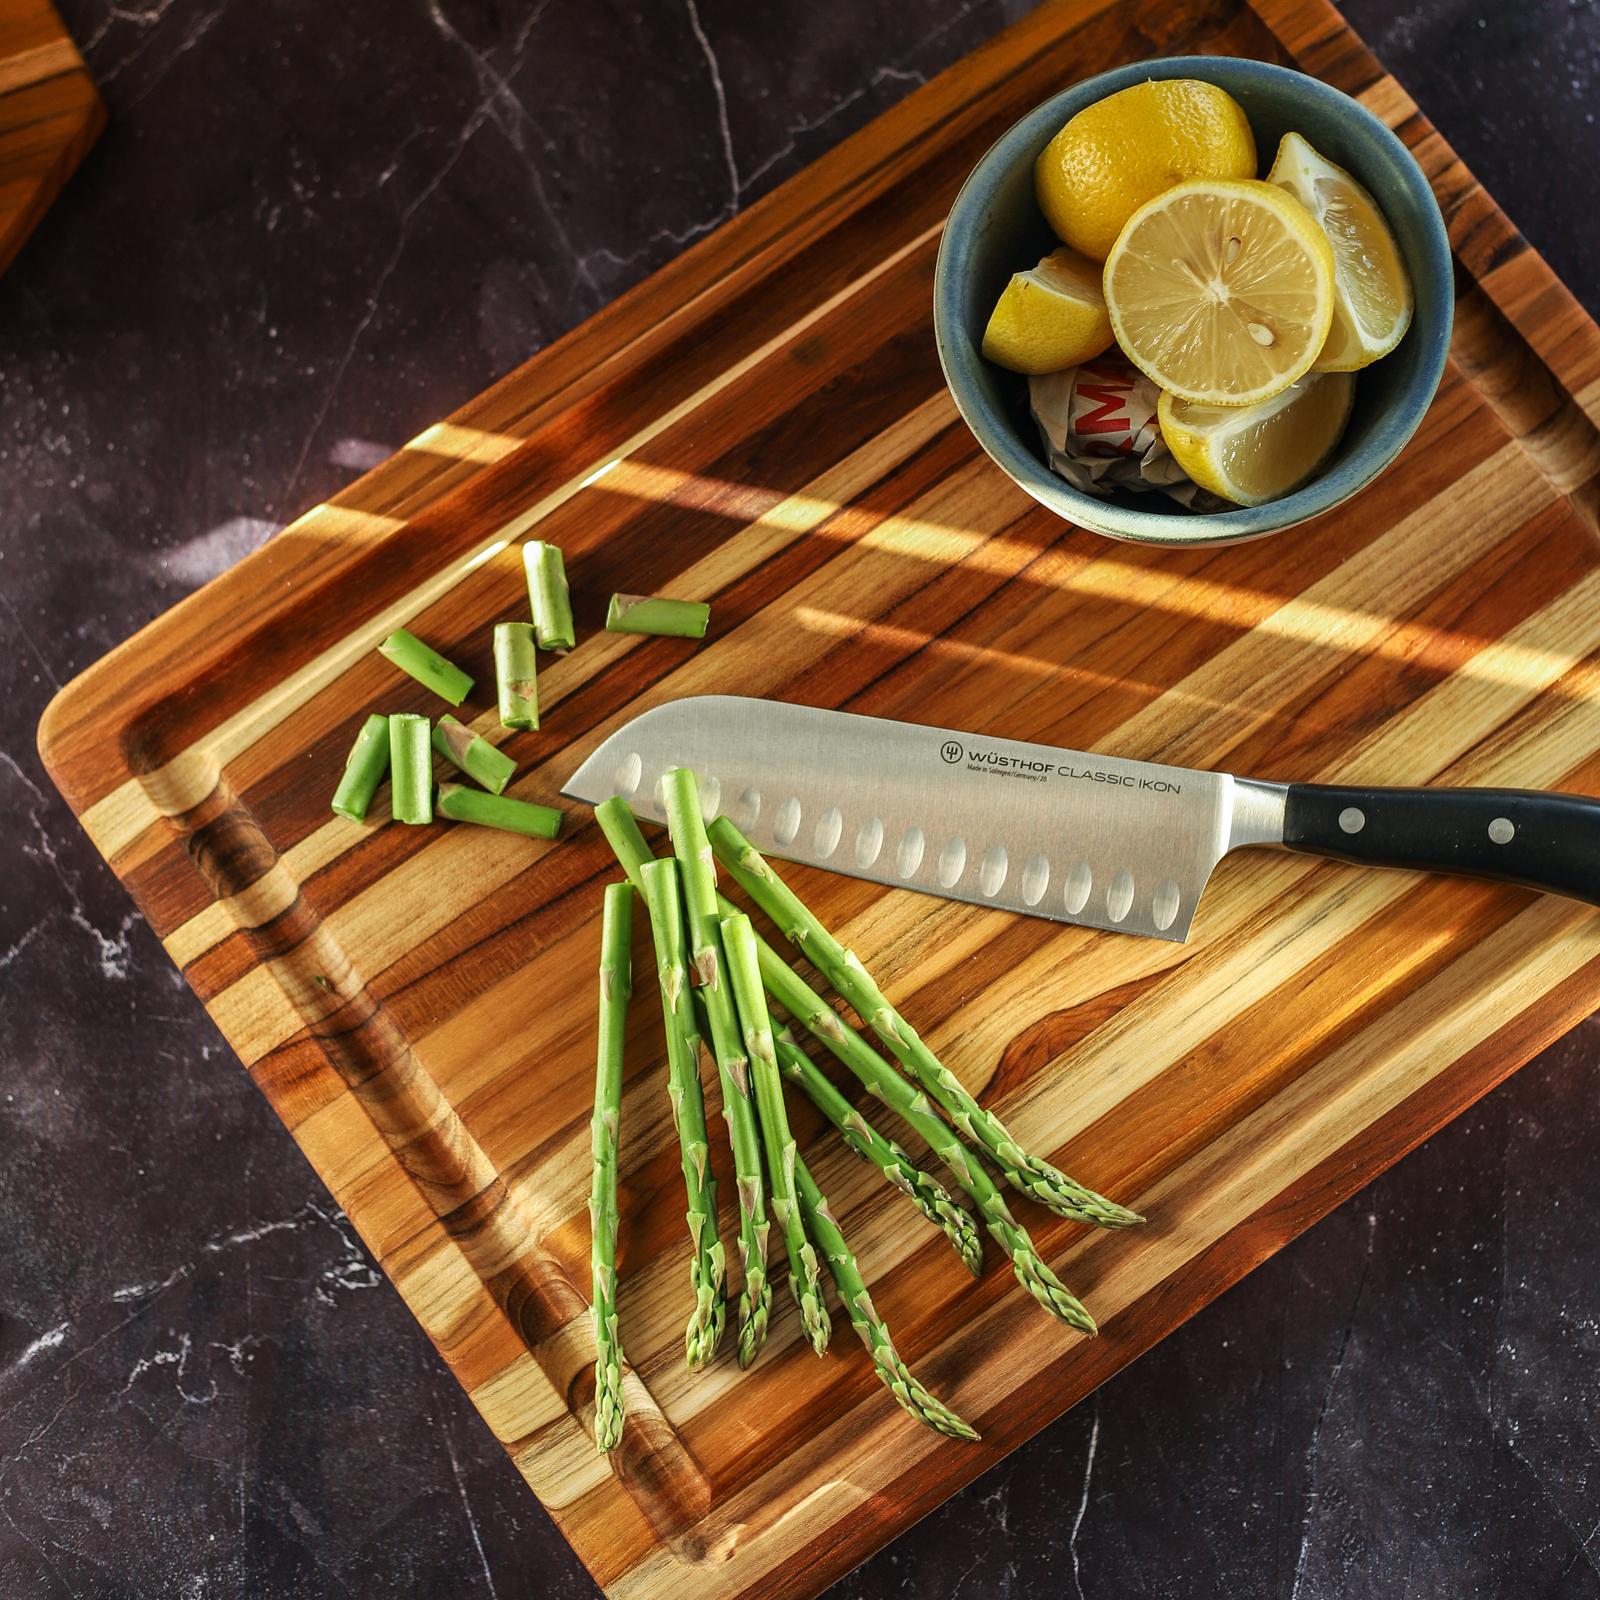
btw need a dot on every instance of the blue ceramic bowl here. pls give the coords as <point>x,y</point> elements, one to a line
<point>996,228</point>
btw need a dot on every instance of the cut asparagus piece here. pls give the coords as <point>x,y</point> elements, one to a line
<point>929,1196</point>
<point>548,596</point>
<point>897,1377</point>
<point>472,754</point>
<point>1034,1176</point>
<point>904,1098</point>
<point>708,1267</point>
<point>697,875</point>
<point>410,768</point>
<point>364,768</point>
<point>427,666</point>
<point>516,674</point>
<point>908,1102</point>
<point>462,804</point>
<point>805,1273</point>
<point>616,987</point>
<point>647,613</point>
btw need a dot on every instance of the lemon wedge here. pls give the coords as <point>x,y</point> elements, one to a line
<point>1221,291</point>
<point>1252,454</point>
<point>1050,317</point>
<point>1125,149</point>
<point>1371,290</point>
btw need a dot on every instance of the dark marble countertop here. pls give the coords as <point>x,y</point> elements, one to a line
<point>309,231</point>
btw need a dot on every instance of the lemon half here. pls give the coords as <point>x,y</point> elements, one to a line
<point>1371,289</point>
<point>1050,317</point>
<point>1221,291</point>
<point>1252,454</point>
<point>1125,149</point>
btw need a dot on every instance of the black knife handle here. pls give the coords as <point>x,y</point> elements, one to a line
<point>1549,842</point>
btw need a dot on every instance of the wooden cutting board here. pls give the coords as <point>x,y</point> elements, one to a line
<point>50,114</point>
<point>763,425</point>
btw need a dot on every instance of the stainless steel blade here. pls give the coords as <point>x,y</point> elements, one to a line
<point>1064,834</point>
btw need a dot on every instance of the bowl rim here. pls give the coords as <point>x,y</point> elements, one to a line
<point>1187,528</point>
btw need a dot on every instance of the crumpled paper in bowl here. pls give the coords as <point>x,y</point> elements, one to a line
<point>1098,423</point>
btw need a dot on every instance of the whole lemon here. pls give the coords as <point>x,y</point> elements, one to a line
<point>1128,148</point>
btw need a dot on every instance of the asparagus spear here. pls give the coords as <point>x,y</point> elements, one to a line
<point>472,754</point>
<point>427,666</point>
<point>708,1267</point>
<point>616,987</point>
<point>516,674</point>
<point>648,613</point>
<point>928,1195</point>
<point>462,804</point>
<point>805,1275</point>
<point>547,594</point>
<point>697,874</point>
<point>410,768</point>
<point>808,1008</point>
<point>364,768</point>
<point>1035,1177</point>
<point>902,1383</point>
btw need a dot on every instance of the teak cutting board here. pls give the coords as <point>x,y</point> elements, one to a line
<point>50,113</point>
<point>763,425</point>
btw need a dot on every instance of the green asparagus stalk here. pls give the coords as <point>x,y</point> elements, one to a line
<point>628,844</point>
<point>547,594</point>
<point>697,875</point>
<point>472,754</point>
<point>908,1102</point>
<point>1035,1177</point>
<point>924,1192</point>
<point>805,1274</point>
<point>708,1267</point>
<point>462,804</point>
<point>364,768</point>
<point>901,1382</point>
<point>616,987</point>
<point>904,1098</point>
<point>410,768</point>
<point>646,613</point>
<point>427,666</point>
<point>516,674</point>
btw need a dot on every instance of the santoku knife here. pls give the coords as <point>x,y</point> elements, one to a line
<point>1067,834</point>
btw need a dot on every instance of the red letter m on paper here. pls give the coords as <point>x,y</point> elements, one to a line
<point>1108,395</point>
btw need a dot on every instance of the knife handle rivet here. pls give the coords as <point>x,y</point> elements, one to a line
<point>1502,830</point>
<point>1352,819</point>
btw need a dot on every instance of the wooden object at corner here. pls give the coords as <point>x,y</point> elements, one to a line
<point>763,425</point>
<point>50,113</point>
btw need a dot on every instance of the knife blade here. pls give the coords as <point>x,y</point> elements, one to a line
<point>1065,834</point>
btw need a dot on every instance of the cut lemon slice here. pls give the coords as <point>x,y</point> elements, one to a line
<point>1221,291</point>
<point>1371,290</point>
<point>1049,318</point>
<point>1252,454</point>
